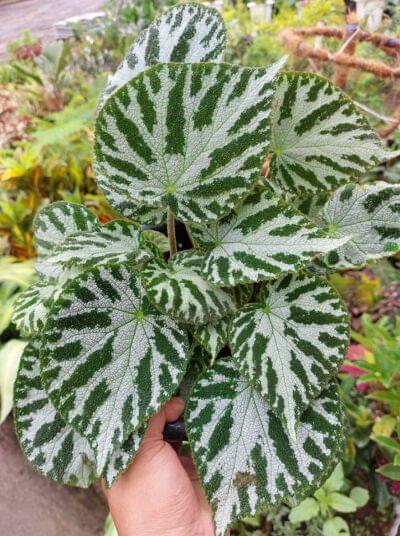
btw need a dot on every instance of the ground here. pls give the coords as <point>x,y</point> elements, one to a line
<point>32,506</point>
<point>39,16</point>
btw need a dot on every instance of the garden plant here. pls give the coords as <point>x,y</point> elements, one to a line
<point>243,323</point>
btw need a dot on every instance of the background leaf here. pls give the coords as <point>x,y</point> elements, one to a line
<point>304,511</point>
<point>10,355</point>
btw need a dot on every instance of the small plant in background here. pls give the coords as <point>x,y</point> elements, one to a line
<point>335,496</point>
<point>116,323</point>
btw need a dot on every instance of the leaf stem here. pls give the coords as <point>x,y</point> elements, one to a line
<point>171,232</point>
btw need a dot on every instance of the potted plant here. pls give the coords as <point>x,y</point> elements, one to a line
<point>122,317</point>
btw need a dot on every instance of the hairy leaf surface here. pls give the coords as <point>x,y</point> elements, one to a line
<point>188,136</point>
<point>243,454</point>
<point>264,238</point>
<point>370,214</point>
<point>179,289</point>
<point>53,448</point>
<point>290,343</point>
<point>109,358</point>
<point>189,33</point>
<point>319,139</point>
<point>56,221</point>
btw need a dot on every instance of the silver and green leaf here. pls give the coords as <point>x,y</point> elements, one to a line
<point>213,336</point>
<point>245,458</point>
<point>32,307</point>
<point>319,140</point>
<point>290,343</point>
<point>56,221</point>
<point>53,448</point>
<point>263,239</point>
<point>116,241</point>
<point>121,458</point>
<point>191,137</point>
<point>109,358</point>
<point>370,215</point>
<point>189,33</point>
<point>179,289</point>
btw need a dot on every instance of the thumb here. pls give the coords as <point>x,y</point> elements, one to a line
<point>170,412</point>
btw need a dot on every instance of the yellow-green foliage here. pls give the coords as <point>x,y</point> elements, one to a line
<point>265,45</point>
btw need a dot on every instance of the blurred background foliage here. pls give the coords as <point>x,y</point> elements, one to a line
<point>48,96</point>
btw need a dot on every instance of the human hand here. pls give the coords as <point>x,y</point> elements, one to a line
<point>159,494</point>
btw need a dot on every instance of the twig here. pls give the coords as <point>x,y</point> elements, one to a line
<point>369,111</point>
<point>171,232</point>
<point>348,41</point>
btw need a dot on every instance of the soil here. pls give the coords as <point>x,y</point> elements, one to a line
<point>32,506</point>
<point>38,16</point>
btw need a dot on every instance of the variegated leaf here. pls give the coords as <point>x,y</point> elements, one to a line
<point>311,205</point>
<point>243,454</point>
<point>109,358</point>
<point>32,307</point>
<point>156,241</point>
<point>53,448</point>
<point>291,342</point>
<point>116,241</point>
<point>179,289</point>
<point>188,136</point>
<point>319,139</point>
<point>189,33</point>
<point>123,456</point>
<point>263,239</point>
<point>213,336</point>
<point>370,214</point>
<point>56,221</point>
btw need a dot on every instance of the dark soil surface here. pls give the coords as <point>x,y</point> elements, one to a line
<point>38,16</point>
<point>32,506</point>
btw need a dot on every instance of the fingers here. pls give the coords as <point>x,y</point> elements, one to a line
<point>170,412</point>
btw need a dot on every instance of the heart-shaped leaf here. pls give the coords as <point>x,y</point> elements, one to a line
<point>56,221</point>
<point>243,454</point>
<point>263,239</point>
<point>188,136</point>
<point>319,139</point>
<point>291,342</point>
<point>370,215</point>
<point>189,33</point>
<point>179,289</point>
<point>53,448</point>
<point>109,358</point>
